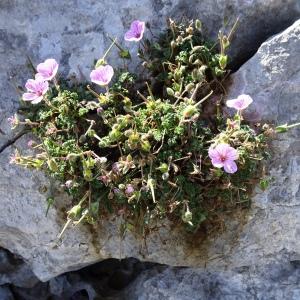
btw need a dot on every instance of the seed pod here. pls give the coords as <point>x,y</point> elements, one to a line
<point>74,211</point>
<point>146,146</point>
<point>190,87</point>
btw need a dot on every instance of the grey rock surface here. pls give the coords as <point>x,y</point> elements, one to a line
<point>73,32</point>
<point>5,293</point>
<point>14,271</point>
<point>274,281</point>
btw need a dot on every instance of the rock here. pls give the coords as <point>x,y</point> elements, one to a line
<point>6,294</point>
<point>103,280</point>
<point>76,39</point>
<point>273,281</point>
<point>14,271</point>
<point>272,78</point>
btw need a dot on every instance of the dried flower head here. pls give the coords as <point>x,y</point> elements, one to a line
<point>13,121</point>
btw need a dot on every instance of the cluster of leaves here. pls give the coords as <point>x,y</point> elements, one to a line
<point>141,150</point>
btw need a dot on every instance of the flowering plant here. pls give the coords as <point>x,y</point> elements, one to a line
<point>147,148</point>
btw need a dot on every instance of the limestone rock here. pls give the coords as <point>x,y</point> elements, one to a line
<point>273,281</point>
<point>14,271</point>
<point>78,37</point>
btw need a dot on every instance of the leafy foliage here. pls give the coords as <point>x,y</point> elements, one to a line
<point>141,150</point>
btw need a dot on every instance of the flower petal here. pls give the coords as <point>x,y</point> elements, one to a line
<point>48,69</point>
<point>30,85</point>
<point>213,153</point>
<point>37,100</point>
<point>230,103</point>
<point>216,162</point>
<point>136,31</point>
<point>102,75</point>
<point>29,96</point>
<point>232,154</point>
<point>230,166</point>
<point>242,102</point>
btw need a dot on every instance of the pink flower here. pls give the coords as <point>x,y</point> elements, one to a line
<point>136,31</point>
<point>102,75</point>
<point>224,156</point>
<point>47,70</point>
<point>240,103</point>
<point>36,89</point>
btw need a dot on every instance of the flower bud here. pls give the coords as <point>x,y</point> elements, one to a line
<point>127,102</point>
<point>74,211</point>
<point>146,146</point>
<point>223,61</point>
<point>189,111</point>
<point>198,24</point>
<point>91,132</point>
<point>163,167</point>
<point>115,134</point>
<point>121,186</point>
<point>52,165</point>
<point>170,92</point>
<point>190,87</point>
